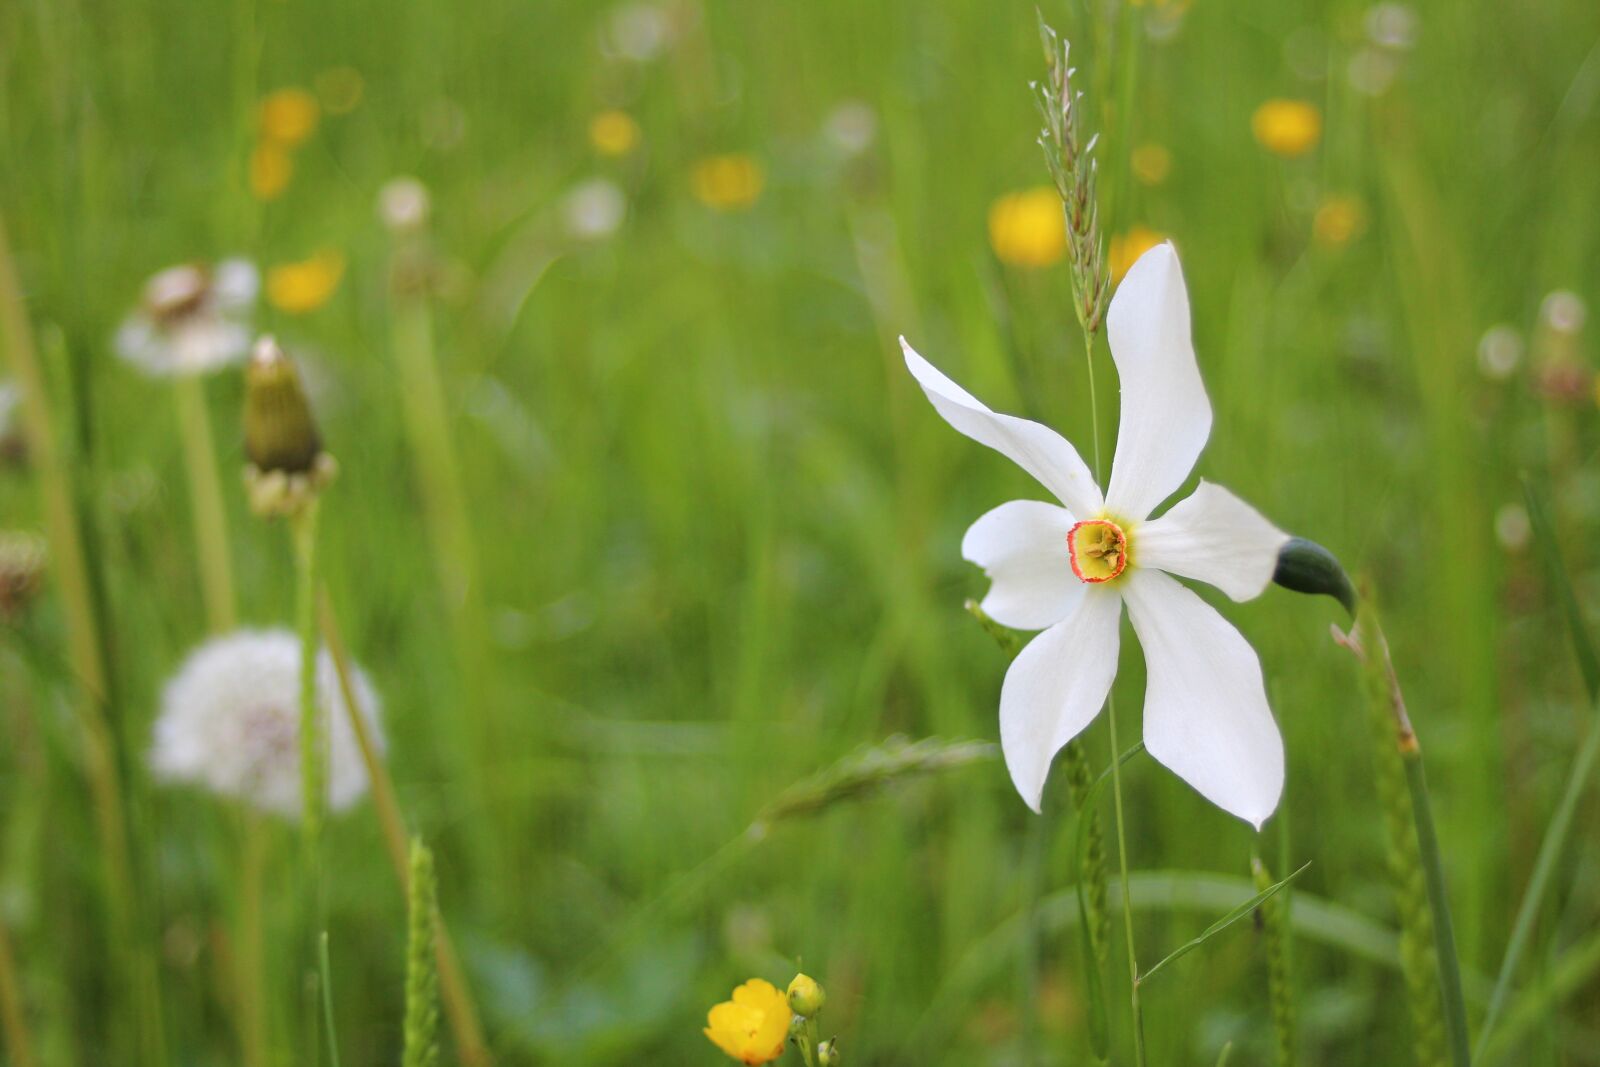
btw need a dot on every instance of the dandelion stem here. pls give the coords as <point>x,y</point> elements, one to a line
<point>459,1009</point>
<point>205,494</point>
<point>325,969</point>
<point>251,959</point>
<point>1127,899</point>
<point>303,531</point>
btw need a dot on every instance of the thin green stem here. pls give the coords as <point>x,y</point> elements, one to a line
<point>1094,405</point>
<point>205,494</point>
<point>303,529</point>
<point>326,970</point>
<point>1127,900</point>
<point>1455,1008</point>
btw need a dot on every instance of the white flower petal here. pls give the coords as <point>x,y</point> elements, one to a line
<point>1213,536</point>
<point>1022,547</point>
<point>1055,688</point>
<point>1205,707</point>
<point>1166,417</point>
<point>1035,448</point>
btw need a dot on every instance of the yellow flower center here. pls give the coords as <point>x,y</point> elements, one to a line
<point>1098,549</point>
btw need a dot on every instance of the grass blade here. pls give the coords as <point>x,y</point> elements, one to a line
<point>1583,767</point>
<point>1223,923</point>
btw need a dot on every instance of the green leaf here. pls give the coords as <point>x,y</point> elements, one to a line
<point>1222,924</point>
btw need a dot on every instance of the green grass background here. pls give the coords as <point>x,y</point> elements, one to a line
<point>718,526</point>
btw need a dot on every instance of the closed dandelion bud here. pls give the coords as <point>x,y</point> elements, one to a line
<point>806,997</point>
<point>287,464</point>
<point>1306,567</point>
<point>828,1053</point>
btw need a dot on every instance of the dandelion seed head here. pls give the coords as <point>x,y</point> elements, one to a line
<point>851,128</point>
<point>594,209</point>
<point>1512,527</point>
<point>191,319</point>
<point>1372,71</point>
<point>1499,352</point>
<point>230,723</point>
<point>1391,25</point>
<point>1563,311</point>
<point>403,204</point>
<point>638,32</point>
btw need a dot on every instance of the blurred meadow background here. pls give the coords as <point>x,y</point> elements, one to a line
<point>641,526</point>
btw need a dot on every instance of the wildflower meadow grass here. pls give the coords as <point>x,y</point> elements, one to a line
<point>481,581</point>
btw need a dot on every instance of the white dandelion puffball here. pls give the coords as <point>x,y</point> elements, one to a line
<point>191,319</point>
<point>403,204</point>
<point>230,721</point>
<point>594,209</point>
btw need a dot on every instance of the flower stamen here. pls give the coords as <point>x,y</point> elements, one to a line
<point>1098,550</point>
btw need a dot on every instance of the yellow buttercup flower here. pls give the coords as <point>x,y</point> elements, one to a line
<point>270,170</point>
<point>613,133</point>
<point>306,285</point>
<point>729,182</point>
<point>1151,163</point>
<point>1027,228</point>
<point>1339,220</point>
<point>287,117</point>
<point>754,1025</point>
<point>1126,248</point>
<point>1287,128</point>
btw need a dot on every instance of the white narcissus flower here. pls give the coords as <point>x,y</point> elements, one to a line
<point>1067,569</point>
<point>230,721</point>
<point>192,319</point>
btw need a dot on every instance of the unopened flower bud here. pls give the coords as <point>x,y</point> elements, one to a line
<point>287,463</point>
<point>1306,567</point>
<point>22,564</point>
<point>806,996</point>
<point>828,1053</point>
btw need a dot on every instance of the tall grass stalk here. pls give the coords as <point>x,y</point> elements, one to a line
<point>205,495</point>
<point>130,947</point>
<point>1127,901</point>
<point>1428,957</point>
<point>1583,769</point>
<point>422,1008</point>
<point>1280,983</point>
<point>460,1011</point>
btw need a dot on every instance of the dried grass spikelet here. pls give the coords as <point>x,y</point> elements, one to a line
<point>287,464</point>
<point>1069,155</point>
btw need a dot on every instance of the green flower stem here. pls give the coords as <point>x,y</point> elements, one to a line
<point>303,532</point>
<point>1127,901</point>
<point>13,1020</point>
<point>205,494</point>
<point>251,963</point>
<point>325,969</point>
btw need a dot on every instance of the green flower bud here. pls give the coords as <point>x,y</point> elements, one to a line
<point>1306,567</point>
<point>279,432</point>
<point>806,996</point>
<point>828,1053</point>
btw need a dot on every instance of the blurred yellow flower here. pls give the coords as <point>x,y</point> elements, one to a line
<point>1027,228</point>
<point>1287,128</point>
<point>729,182</point>
<point>1151,163</point>
<point>613,133</point>
<point>340,89</point>
<point>270,170</point>
<point>1340,218</point>
<point>305,285</point>
<point>1126,248</point>
<point>287,117</point>
<point>754,1025</point>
